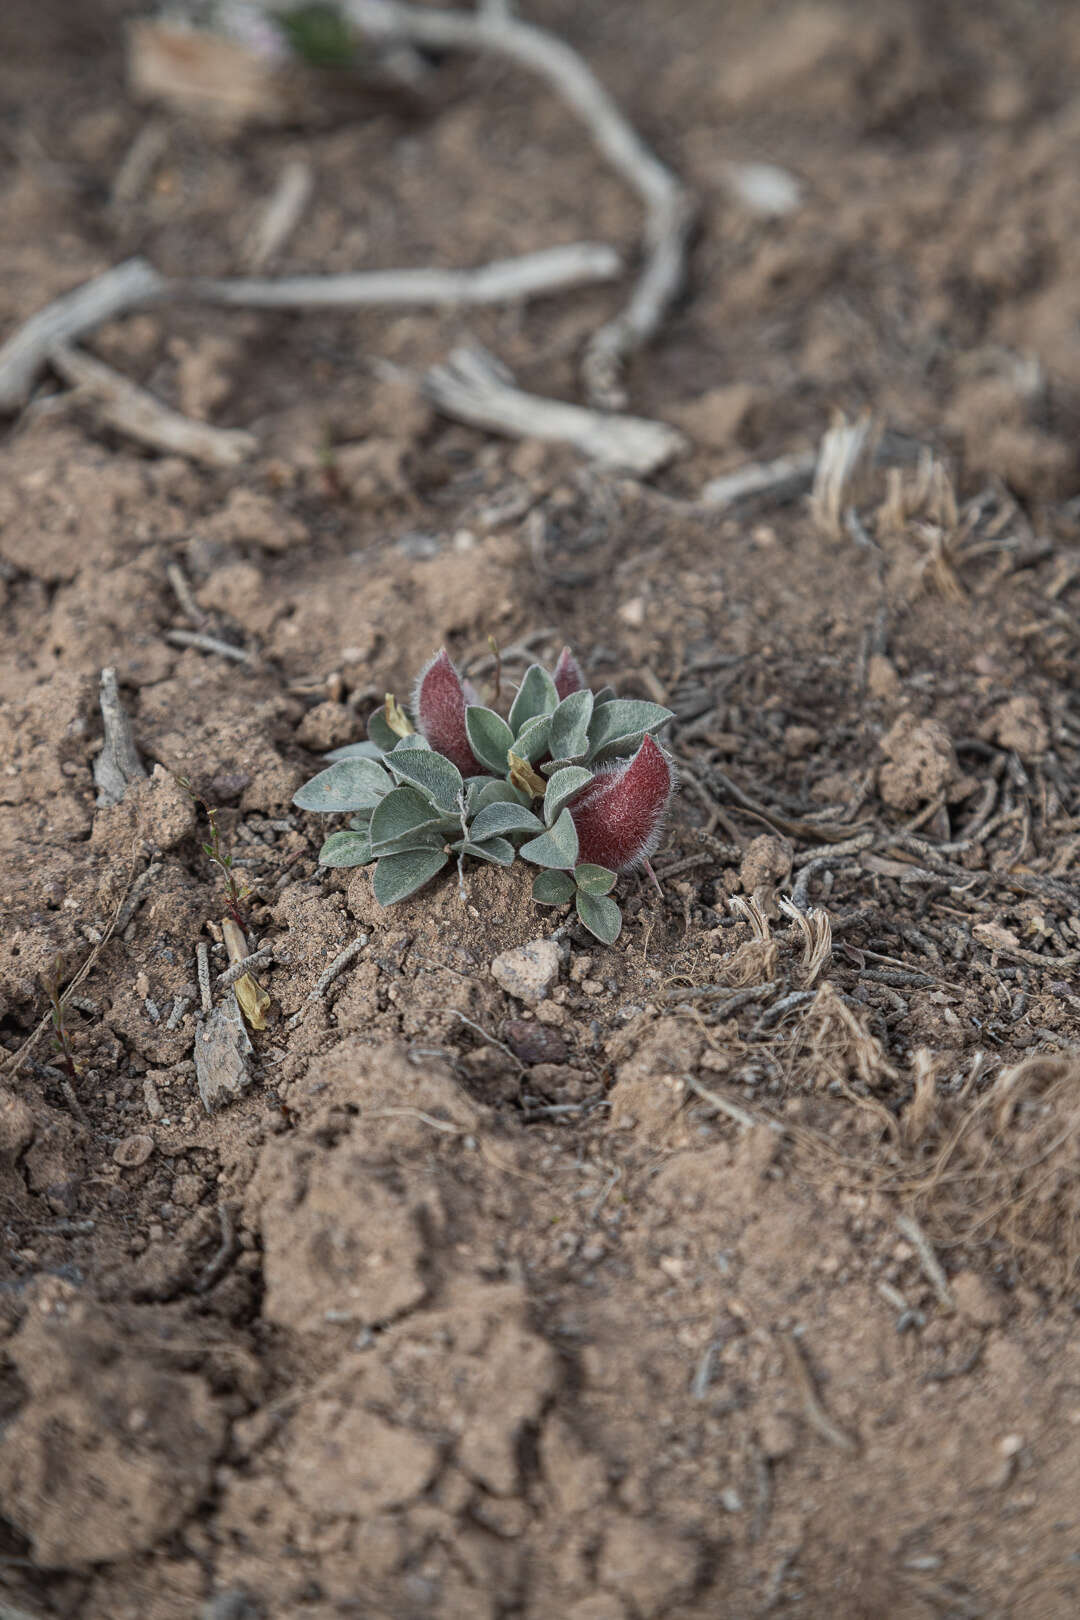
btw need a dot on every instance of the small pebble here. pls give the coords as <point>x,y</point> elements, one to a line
<point>528,971</point>
<point>133,1151</point>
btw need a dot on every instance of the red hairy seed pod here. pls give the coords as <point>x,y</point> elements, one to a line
<point>568,675</point>
<point>439,707</point>
<point>620,814</point>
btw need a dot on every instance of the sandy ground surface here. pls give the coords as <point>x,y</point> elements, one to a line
<point>483,1309</point>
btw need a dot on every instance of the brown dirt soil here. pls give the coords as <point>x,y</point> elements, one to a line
<point>609,1307</point>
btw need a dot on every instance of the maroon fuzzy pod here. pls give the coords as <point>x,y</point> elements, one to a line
<point>439,707</point>
<point>619,816</point>
<point>568,676</point>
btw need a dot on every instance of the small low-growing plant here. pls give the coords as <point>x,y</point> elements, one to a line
<point>235,892</point>
<point>571,780</point>
<point>61,1034</point>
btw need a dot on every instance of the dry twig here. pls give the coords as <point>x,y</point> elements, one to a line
<point>503,281</point>
<point>474,387</point>
<point>128,286</point>
<point>118,764</point>
<point>281,215</point>
<point>135,412</point>
<point>935,1276</point>
<point>813,1410</point>
<point>668,208</point>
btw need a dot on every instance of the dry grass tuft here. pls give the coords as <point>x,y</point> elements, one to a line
<point>1003,1170</point>
<point>838,1047</point>
<point>816,930</point>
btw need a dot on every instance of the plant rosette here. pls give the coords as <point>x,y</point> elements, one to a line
<point>571,780</point>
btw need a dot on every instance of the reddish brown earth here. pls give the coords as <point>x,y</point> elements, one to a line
<point>421,1327</point>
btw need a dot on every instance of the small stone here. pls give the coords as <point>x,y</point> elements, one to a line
<point>528,971</point>
<point>133,1151</point>
<point>921,763</point>
<point>632,613</point>
<point>882,680</point>
<point>800,741</point>
<point>1019,725</point>
<point>535,1043</point>
<point>151,1100</point>
<point>766,863</point>
<point>592,987</point>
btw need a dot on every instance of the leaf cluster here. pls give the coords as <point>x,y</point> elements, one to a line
<point>412,811</point>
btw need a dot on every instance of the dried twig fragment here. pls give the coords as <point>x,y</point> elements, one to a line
<point>128,286</point>
<point>780,480</point>
<point>473,387</point>
<point>250,994</point>
<point>118,764</point>
<point>222,1049</point>
<point>845,450</point>
<point>282,213</point>
<point>668,206</point>
<point>816,930</point>
<point>502,281</point>
<point>813,1410</point>
<point>132,410</point>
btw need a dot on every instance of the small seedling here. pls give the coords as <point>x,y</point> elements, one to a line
<point>58,1007</point>
<point>235,893</point>
<point>574,781</point>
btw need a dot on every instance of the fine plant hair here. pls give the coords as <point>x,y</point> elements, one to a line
<point>571,780</point>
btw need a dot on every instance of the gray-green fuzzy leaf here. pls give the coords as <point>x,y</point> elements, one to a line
<point>562,787</point>
<point>552,888</point>
<point>403,813</point>
<point>483,791</point>
<point>380,733</point>
<point>536,695</point>
<point>500,819</point>
<point>498,850</point>
<point>622,719</point>
<point>558,847</point>
<point>356,750</point>
<point>569,738</point>
<point>532,739</point>
<point>592,879</point>
<point>397,876</point>
<point>490,737</point>
<point>351,784</point>
<point>346,849</point>
<point>413,743</point>
<point>600,915</point>
<point>432,773</point>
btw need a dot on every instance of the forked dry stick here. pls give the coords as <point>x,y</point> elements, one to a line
<point>669,209</point>
<point>133,285</point>
<point>529,275</point>
<point>476,388</point>
<point>128,286</point>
